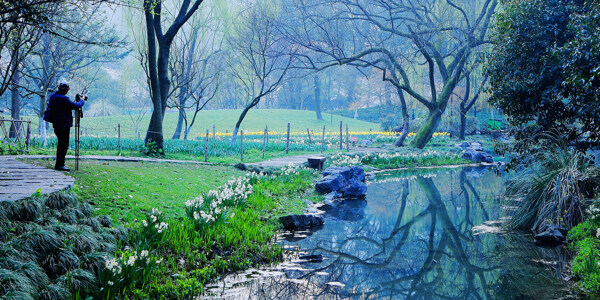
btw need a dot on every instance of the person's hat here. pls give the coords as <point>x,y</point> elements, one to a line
<point>63,84</point>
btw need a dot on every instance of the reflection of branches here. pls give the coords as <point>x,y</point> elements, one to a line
<point>427,251</point>
<point>376,255</point>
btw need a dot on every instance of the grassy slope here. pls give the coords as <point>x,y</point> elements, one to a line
<point>223,120</point>
<point>151,185</point>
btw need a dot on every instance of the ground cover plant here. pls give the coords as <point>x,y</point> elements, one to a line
<point>584,241</point>
<point>52,247</point>
<point>399,159</point>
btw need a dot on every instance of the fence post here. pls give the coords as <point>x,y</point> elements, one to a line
<point>287,143</point>
<point>267,129</point>
<point>371,133</point>
<point>28,137</point>
<point>214,132</point>
<point>341,139</point>
<point>86,131</point>
<point>323,140</point>
<point>309,139</point>
<point>119,137</point>
<point>206,147</point>
<point>241,145</point>
<point>264,142</point>
<point>347,139</point>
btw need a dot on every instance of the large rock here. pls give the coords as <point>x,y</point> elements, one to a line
<point>366,142</point>
<point>553,236</point>
<point>354,190</point>
<point>347,181</point>
<point>295,222</point>
<point>329,184</point>
<point>477,155</point>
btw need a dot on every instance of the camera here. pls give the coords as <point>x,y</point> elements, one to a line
<point>78,96</point>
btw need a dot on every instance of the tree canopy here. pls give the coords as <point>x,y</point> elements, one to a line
<point>544,68</point>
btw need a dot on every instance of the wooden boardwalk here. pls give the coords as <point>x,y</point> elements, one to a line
<point>19,180</point>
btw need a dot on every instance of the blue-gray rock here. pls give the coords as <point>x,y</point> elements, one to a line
<point>328,184</point>
<point>550,238</point>
<point>366,142</point>
<point>348,181</point>
<point>348,173</point>
<point>477,146</point>
<point>295,222</point>
<point>354,190</point>
<point>463,145</point>
<point>477,156</point>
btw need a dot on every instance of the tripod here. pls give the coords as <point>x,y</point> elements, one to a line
<point>78,116</point>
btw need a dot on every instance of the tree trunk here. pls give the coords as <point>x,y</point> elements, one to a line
<point>241,118</point>
<point>463,122</point>
<point>154,133</point>
<point>177,133</point>
<point>181,108</point>
<point>318,97</point>
<point>186,132</point>
<point>163,75</point>
<point>426,132</point>
<point>405,120</point>
<point>15,101</point>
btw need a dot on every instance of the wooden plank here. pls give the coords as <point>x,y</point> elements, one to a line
<point>19,180</point>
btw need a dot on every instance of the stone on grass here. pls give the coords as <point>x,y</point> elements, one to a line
<point>295,222</point>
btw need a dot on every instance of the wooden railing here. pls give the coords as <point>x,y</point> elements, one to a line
<point>19,140</point>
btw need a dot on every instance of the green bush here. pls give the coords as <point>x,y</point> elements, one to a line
<point>552,187</point>
<point>585,264</point>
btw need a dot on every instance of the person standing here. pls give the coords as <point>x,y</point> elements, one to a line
<point>61,108</point>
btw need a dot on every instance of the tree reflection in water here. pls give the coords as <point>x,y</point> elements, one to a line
<point>415,240</point>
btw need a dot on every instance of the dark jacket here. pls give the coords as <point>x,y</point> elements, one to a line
<point>61,108</point>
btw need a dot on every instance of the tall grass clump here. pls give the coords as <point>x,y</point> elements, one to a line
<point>44,258</point>
<point>552,187</point>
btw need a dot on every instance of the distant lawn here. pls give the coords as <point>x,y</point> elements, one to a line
<point>127,190</point>
<point>224,120</point>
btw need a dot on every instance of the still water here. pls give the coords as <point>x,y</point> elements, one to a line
<point>431,234</point>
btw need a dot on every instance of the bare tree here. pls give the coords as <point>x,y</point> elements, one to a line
<point>262,57</point>
<point>474,86</point>
<point>159,44</point>
<point>398,37</point>
<point>195,68</point>
<point>54,56</point>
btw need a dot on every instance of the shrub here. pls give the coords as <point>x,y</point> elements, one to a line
<point>552,188</point>
<point>585,264</point>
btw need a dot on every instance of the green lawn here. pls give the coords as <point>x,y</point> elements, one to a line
<point>224,120</point>
<point>128,190</point>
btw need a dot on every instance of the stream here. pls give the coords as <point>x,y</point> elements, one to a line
<point>427,234</point>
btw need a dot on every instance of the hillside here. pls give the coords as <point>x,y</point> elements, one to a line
<point>224,120</point>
